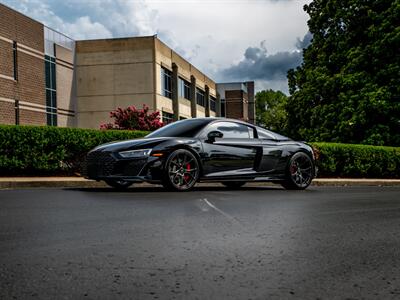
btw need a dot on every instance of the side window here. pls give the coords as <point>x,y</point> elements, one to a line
<point>263,134</point>
<point>231,130</point>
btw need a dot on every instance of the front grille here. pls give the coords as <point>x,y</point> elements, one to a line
<point>134,167</point>
<point>98,164</point>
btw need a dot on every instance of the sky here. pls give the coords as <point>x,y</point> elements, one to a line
<point>229,40</point>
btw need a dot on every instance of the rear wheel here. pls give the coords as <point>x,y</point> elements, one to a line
<point>181,171</point>
<point>234,184</point>
<point>119,184</point>
<point>299,173</point>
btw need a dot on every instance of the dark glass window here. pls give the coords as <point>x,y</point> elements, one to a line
<point>167,117</point>
<point>184,89</point>
<point>213,103</point>
<point>223,110</point>
<point>184,128</point>
<point>269,135</point>
<point>200,97</point>
<point>15,60</point>
<point>16,112</point>
<point>230,130</point>
<point>51,90</point>
<point>166,83</point>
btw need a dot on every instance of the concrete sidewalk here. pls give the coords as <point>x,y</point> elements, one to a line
<point>79,182</point>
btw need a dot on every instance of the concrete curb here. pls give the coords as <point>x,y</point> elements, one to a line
<point>79,182</point>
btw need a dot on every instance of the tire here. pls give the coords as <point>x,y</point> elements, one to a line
<point>299,172</point>
<point>181,171</point>
<point>119,184</point>
<point>234,184</point>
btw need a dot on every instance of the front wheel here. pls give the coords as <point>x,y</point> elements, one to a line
<point>119,184</point>
<point>299,173</point>
<point>181,171</point>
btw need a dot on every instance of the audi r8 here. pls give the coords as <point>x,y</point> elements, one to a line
<point>185,152</point>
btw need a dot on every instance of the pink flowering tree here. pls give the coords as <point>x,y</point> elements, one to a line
<point>132,118</point>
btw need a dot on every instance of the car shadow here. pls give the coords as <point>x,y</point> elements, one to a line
<point>160,189</point>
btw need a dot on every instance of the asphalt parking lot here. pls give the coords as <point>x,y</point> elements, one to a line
<point>212,243</point>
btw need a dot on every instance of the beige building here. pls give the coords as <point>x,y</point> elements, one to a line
<point>113,73</point>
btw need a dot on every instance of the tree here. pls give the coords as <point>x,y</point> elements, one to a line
<point>348,87</point>
<point>270,110</point>
<point>132,118</point>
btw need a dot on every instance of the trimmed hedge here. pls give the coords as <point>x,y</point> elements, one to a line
<point>37,150</point>
<point>43,150</point>
<point>358,161</point>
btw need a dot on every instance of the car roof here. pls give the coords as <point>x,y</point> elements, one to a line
<point>208,120</point>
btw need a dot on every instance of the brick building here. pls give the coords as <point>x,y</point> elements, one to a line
<point>31,69</point>
<point>237,100</point>
<point>47,78</point>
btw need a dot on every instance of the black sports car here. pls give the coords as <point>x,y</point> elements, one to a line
<point>203,149</point>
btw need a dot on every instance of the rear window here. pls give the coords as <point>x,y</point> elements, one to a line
<point>269,135</point>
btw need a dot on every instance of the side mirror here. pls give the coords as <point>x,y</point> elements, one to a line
<point>212,135</point>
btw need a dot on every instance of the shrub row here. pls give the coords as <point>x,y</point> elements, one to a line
<point>358,161</point>
<point>37,150</point>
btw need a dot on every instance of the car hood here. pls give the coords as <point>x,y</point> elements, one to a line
<point>131,144</point>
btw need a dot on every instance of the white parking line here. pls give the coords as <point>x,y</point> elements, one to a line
<point>228,216</point>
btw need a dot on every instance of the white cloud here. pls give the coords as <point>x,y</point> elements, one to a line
<point>84,28</point>
<point>212,34</point>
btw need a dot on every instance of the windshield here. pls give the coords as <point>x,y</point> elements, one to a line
<point>184,128</point>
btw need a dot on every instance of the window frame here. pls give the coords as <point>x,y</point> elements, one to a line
<point>15,60</point>
<point>202,94</point>
<point>164,116</point>
<point>184,89</point>
<point>166,83</point>
<point>51,90</point>
<point>213,104</point>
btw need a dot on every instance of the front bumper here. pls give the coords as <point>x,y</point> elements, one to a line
<point>103,165</point>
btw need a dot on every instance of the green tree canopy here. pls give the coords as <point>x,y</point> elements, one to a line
<point>270,110</point>
<point>348,86</point>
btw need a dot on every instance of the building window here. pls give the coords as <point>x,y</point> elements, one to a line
<point>200,97</point>
<point>51,90</point>
<point>167,117</point>
<point>16,112</point>
<point>166,83</point>
<point>15,59</point>
<point>184,89</point>
<point>213,104</point>
<point>223,108</point>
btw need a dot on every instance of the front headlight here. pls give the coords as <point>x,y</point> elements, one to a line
<point>135,153</point>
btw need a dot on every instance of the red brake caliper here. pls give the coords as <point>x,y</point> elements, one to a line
<point>293,169</point>
<point>187,170</point>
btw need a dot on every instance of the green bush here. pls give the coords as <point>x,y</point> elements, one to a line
<point>359,161</point>
<point>37,150</point>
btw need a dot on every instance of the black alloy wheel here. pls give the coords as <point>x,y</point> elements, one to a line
<point>181,171</point>
<point>300,172</point>
<point>118,184</point>
<point>233,184</point>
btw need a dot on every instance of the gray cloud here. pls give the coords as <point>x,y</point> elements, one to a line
<point>301,44</point>
<point>257,64</point>
<point>270,69</point>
